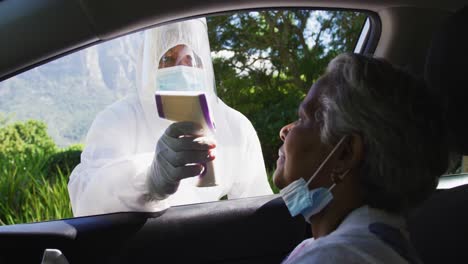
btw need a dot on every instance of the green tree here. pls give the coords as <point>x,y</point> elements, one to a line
<point>22,141</point>
<point>273,57</point>
<point>63,161</point>
<point>28,193</point>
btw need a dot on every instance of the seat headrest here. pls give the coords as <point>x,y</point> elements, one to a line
<point>447,76</point>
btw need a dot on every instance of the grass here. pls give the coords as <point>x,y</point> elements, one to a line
<point>28,194</point>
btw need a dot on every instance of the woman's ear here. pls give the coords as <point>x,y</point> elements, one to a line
<point>351,154</point>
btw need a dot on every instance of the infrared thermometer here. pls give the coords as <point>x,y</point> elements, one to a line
<point>189,106</point>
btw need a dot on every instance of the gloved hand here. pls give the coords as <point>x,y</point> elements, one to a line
<point>180,153</point>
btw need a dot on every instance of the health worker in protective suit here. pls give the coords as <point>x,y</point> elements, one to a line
<point>135,161</point>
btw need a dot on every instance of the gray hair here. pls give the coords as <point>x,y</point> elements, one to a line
<point>400,125</point>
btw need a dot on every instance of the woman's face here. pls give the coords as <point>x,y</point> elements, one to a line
<point>302,151</point>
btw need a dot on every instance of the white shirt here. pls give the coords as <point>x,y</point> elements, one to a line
<point>353,242</point>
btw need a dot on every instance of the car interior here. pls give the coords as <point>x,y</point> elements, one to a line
<point>249,230</point>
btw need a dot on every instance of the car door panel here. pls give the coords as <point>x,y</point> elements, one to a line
<point>252,230</point>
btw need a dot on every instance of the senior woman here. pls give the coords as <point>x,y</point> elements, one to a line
<point>368,146</point>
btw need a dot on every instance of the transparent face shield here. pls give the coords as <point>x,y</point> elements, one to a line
<point>181,69</point>
<point>180,55</point>
<point>176,57</point>
<point>183,90</point>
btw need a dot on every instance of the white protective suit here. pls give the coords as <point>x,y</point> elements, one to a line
<point>120,145</point>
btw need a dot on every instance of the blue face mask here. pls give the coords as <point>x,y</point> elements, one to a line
<point>180,78</point>
<point>300,200</point>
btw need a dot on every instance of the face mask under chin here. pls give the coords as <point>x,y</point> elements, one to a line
<point>300,200</point>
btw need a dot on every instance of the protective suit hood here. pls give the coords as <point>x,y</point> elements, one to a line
<point>192,33</point>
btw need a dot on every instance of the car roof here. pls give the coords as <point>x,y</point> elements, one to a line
<point>34,32</point>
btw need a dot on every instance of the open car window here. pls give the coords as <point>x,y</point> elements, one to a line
<point>89,107</point>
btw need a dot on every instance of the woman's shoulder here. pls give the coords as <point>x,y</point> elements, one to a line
<point>328,250</point>
<point>356,245</point>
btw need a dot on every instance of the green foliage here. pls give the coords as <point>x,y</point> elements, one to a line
<point>22,142</point>
<point>31,197</point>
<point>274,57</point>
<point>64,160</point>
<point>27,194</point>
<point>270,181</point>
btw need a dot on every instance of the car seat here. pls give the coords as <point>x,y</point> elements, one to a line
<point>439,228</point>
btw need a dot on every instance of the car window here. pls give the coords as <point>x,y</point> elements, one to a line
<point>97,106</point>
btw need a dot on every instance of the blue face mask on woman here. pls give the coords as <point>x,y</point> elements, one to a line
<point>300,200</point>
